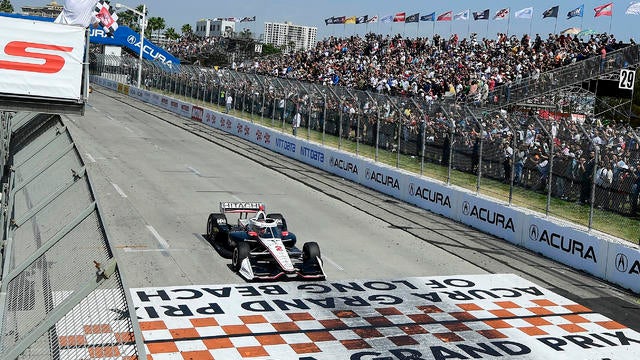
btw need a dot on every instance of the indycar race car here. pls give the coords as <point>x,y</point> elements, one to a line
<point>262,247</point>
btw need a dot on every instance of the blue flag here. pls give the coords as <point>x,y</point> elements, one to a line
<point>579,11</point>
<point>429,17</point>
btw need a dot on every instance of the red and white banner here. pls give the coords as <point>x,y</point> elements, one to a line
<point>41,59</point>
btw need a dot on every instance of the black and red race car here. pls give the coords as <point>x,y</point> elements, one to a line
<point>262,246</point>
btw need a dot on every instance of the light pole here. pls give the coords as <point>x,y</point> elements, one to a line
<point>142,26</point>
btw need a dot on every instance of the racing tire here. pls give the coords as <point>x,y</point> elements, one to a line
<point>240,252</point>
<point>310,251</point>
<point>283,226</point>
<point>213,225</point>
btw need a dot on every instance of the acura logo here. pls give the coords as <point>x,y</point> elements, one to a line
<point>533,232</point>
<point>622,263</point>
<point>466,208</point>
<point>131,39</point>
<point>412,190</point>
<point>367,173</point>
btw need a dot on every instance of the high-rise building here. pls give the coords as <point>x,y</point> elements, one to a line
<point>51,10</point>
<point>215,27</point>
<point>292,37</point>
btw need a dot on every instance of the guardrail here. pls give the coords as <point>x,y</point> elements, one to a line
<point>610,259</point>
<point>61,295</point>
<point>451,142</point>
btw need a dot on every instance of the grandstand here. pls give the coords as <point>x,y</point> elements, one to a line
<point>524,112</point>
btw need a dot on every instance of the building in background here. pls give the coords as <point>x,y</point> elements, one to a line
<point>215,27</point>
<point>51,10</point>
<point>289,36</point>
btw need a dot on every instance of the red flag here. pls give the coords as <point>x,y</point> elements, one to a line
<point>604,10</point>
<point>446,16</point>
<point>399,17</point>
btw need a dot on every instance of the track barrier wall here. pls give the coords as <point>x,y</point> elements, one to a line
<point>605,257</point>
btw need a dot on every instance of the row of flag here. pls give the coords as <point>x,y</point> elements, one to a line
<point>526,13</point>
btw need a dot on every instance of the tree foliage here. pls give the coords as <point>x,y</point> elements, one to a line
<point>5,6</point>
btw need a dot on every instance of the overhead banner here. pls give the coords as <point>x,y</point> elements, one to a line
<point>446,317</point>
<point>41,59</point>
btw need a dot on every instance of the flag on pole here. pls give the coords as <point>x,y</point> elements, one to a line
<point>374,19</point>
<point>604,10</point>
<point>429,17</point>
<point>633,9</point>
<point>412,18</point>
<point>446,16</point>
<point>248,19</point>
<point>577,12</point>
<point>463,15</point>
<point>106,16</point>
<point>362,19</point>
<point>551,12</point>
<point>350,20</point>
<point>386,19</point>
<point>399,17</point>
<point>526,13</point>
<point>481,15</point>
<point>327,21</point>
<point>501,14</point>
<point>339,20</point>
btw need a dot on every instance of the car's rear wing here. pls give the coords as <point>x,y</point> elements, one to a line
<point>241,207</point>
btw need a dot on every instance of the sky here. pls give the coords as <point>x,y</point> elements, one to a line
<point>313,13</point>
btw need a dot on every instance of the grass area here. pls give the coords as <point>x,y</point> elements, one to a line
<point>604,221</point>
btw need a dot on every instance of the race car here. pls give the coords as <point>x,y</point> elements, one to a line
<point>262,246</point>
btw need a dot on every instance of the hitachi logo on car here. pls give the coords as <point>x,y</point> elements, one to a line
<point>382,179</point>
<point>344,165</point>
<point>558,241</point>
<point>428,195</point>
<point>488,216</point>
<point>241,205</point>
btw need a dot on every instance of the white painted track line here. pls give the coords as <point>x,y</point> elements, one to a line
<point>115,186</point>
<point>163,243</point>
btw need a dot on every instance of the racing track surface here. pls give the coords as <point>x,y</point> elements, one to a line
<point>158,176</point>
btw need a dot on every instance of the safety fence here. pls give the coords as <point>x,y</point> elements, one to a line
<point>533,158</point>
<point>62,296</point>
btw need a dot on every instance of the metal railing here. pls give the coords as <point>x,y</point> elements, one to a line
<point>62,296</point>
<point>506,155</point>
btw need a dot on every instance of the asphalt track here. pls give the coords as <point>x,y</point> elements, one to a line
<point>158,176</point>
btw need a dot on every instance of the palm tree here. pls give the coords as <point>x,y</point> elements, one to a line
<point>157,24</point>
<point>131,19</point>
<point>171,33</point>
<point>186,30</point>
<point>5,6</point>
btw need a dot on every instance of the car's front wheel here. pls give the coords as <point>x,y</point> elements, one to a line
<point>214,225</point>
<point>240,252</point>
<point>310,252</point>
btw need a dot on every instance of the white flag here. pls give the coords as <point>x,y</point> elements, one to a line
<point>78,12</point>
<point>463,15</point>
<point>633,9</point>
<point>526,13</point>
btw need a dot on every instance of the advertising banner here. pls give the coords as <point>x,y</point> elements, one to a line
<point>197,113</point>
<point>41,59</point>
<point>344,165</point>
<point>432,196</point>
<point>490,217</point>
<point>496,316</point>
<point>384,179</point>
<point>312,154</point>
<point>184,109</point>
<point>569,246</point>
<point>623,266</point>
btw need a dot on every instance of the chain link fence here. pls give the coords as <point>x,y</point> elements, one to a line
<point>62,295</point>
<point>529,155</point>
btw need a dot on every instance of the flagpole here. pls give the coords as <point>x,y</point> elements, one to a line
<point>451,27</point>
<point>418,30</point>
<point>509,22</point>
<point>487,28</point>
<point>581,22</point>
<point>468,27</point>
<point>404,30</point>
<point>530,26</point>
<point>610,21</point>
<point>555,27</point>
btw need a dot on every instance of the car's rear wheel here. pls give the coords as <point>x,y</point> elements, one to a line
<point>240,252</point>
<point>310,252</point>
<point>214,224</point>
<point>283,223</point>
